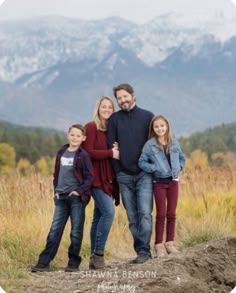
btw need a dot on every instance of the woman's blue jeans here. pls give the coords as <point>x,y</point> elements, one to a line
<point>65,207</point>
<point>103,216</point>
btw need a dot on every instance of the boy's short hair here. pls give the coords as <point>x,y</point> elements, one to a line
<point>123,86</point>
<point>78,126</point>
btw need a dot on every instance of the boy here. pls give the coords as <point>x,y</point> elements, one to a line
<point>72,181</point>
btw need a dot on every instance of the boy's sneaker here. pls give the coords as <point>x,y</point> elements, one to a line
<point>72,268</point>
<point>39,267</point>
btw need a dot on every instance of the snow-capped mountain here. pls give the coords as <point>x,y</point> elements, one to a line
<point>52,69</point>
<point>35,45</point>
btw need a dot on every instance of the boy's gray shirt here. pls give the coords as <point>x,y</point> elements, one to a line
<point>67,181</point>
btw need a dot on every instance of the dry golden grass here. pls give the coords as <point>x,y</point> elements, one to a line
<point>206,210</point>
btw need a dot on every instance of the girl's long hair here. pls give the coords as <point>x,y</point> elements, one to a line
<point>168,135</point>
<point>101,125</point>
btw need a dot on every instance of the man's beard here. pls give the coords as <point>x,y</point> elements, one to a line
<point>127,106</point>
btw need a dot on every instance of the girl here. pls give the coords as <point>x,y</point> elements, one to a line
<point>103,184</point>
<point>163,157</point>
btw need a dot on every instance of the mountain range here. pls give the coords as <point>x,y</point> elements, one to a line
<point>52,69</point>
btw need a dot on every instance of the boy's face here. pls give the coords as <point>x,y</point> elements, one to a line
<point>75,137</point>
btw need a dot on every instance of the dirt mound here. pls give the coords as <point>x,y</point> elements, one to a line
<point>204,268</point>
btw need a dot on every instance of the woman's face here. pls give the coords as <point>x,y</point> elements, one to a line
<point>105,110</point>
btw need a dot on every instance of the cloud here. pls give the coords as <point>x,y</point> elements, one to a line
<point>134,10</point>
<point>1,2</point>
<point>234,1</point>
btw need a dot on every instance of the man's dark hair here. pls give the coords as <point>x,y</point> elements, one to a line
<point>123,86</point>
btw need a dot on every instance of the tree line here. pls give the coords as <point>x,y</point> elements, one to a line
<point>31,143</point>
<point>220,139</point>
<point>33,148</point>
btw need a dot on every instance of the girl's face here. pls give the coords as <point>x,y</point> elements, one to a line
<point>105,110</point>
<point>160,127</point>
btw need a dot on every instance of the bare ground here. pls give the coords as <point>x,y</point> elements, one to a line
<point>204,268</point>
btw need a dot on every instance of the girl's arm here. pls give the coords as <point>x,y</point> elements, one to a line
<point>144,162</point>
<point>181,157</point>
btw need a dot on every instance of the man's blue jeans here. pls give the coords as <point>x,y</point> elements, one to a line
<point>103,216</point>
<point>65,207</point>
<point>137,197</point>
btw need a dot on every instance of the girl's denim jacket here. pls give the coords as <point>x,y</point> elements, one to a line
<point>153,160</point>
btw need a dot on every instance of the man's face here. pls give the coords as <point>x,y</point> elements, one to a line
<point>125,100</point>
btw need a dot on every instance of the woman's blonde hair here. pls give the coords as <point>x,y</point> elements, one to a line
<point>168,134</point>
<point>101,125</point>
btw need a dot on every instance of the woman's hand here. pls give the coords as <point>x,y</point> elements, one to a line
<point>116,153</point>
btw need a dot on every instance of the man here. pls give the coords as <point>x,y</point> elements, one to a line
<point>129,129</point>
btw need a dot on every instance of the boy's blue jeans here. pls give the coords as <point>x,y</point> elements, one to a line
<point>103,216</point>
<point>137,197</point>
<point>65,206</point>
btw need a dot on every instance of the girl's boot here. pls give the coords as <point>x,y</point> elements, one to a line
<point>170,247</point>
<point>160,250</point>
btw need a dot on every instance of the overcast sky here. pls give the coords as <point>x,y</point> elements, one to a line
<point>138,11</point>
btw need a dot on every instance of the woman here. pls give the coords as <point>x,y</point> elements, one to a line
<point>104,179</point>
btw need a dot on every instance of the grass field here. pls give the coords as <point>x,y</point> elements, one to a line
<point>206,210</point>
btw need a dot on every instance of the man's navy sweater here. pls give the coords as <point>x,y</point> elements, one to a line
<point>130,130</point>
